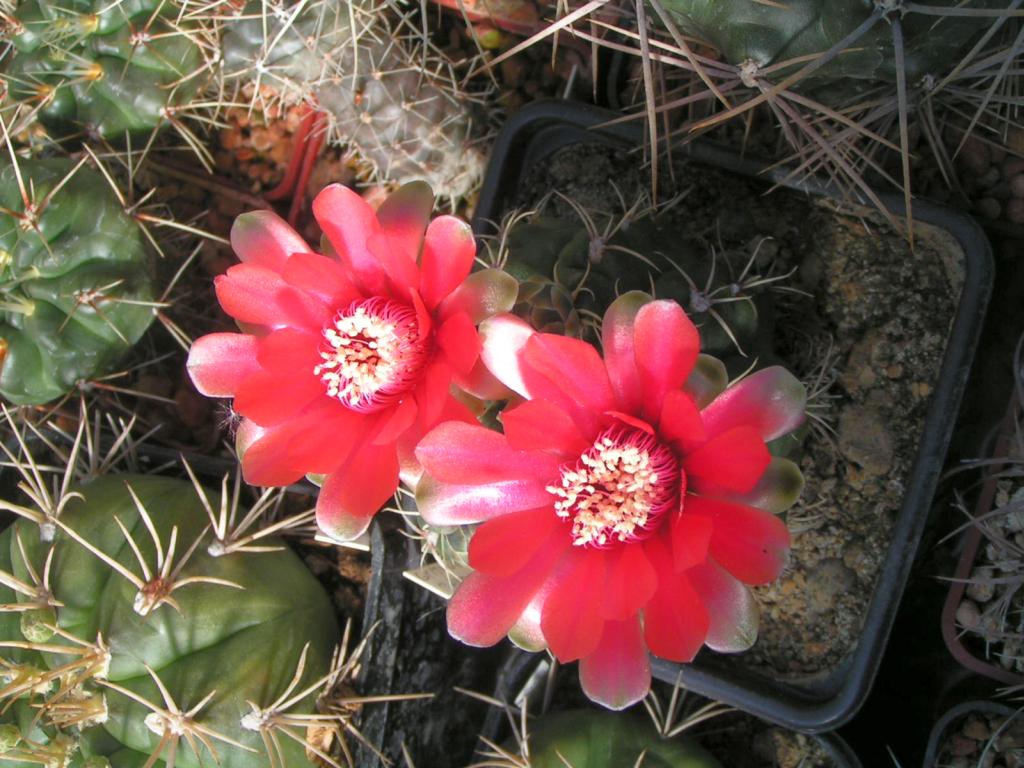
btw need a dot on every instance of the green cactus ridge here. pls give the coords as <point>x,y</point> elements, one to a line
<point>763,34</point>
<point>75,279</point>
<point>593,739</point>
<point>227,648</point>
<point>397,105</point>
<point>100,68</point>
<point>570,271</point>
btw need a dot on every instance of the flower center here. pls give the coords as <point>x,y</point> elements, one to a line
<point>372,354</point>
<point>618,489</point>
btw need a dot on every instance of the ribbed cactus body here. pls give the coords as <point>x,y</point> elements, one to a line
<point>568,274</point>
<point>243,645</point>
<point>592,739</point>
<point>765,34</point>
<point>75,279</point>
<point>94,67</point>
<point>388,99</point>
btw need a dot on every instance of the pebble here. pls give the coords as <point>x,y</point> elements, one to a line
<point>988,207</point>
<point>976,728</point>
<point>865,440</point>
<point>967,615</point>
<point>826,582</point>
<point>1015,210</point>
<point>980,587</point>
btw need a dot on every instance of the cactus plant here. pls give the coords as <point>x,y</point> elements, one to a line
<point>75,281</point>
<point>102,69</point>
<point>123,637</point>
<point>397,104</point>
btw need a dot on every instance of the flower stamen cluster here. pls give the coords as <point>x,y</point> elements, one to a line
<point>617,489</point>
<point>372,353</point>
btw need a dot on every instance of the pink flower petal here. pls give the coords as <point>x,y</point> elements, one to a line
<point>448,252</point>
<point>353,494</point>
<point>617,331</point>
<point>731,608</point>
<point>348,222</point>
<point>247,433</point>
<point>395,421</point>
<point>403,217</point>
<point>567,366</point>
<point>571,617</point>
<point>630,582</point>
<point>731,461</point>
<point>680,423</point>
<point>401,269</point>
<point>526,632</point>
<point>481,383</point>
<point>618,673</point>
<point>749,543</point>
<point>675,620</point>
<point>691,537</point>
<point>504,337</point>
<point>483,294</point>
<point>321,276</point>
<point>501,546</point>
<point>449,504</point>
<point>265,239</point>
<point>254,294</point>
<point>772,401</point>
<point>707,380</point>
<point>473,455</point>
<point>484,607</point>
<point>667,345</point>
<point>459,341</point>
<point>540,425</point>
<point>778,489</point>
<point>219,362</point>
<point>290,351</point>
<point>268,398</point>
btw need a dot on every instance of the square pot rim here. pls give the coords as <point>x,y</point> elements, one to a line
<point>539,130</point>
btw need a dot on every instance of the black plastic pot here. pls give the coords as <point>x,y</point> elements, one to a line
<point>938,735</point>
<point>530,137</point>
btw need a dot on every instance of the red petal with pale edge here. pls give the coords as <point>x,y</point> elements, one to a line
<point>778,489</point>
<point>432,393</point>
<point>630,582</point>
<point>351,496</point>
<point>503,545</point>
<point>290,351</point>
<point>732,609</point>
<point>771,401</point>
<point>264,238</point>
<point>571,367</point>
<point>348,222</point>
<point>404,216</point>
<point>317,442</point>
<point>680,422</point>
<point>459,341</point>
<point>448,252</point>
<point>247,433</point>
<point>481,383</point>
<point>450,504</point>
<point>466,454</point>
<point>540,425</point>
<point>667,345</point>
<point>483,294</point>
<point>219,362</point>
<point>571,617</point>
<point>270,398</point>
<point>321,276</point>
<point>733,461</point>
<point>484,607</point>
<point>676,620</point>
<point>749,543</point>
<point>254,294</point>
<point>619,350</point>
<point>504,337</point>
<point>618,673</point>
<point>691,537</point>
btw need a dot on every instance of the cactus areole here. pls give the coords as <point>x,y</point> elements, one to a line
<point>108,69</point>
<point>629,502</point>
<point>123,673</point>
<point>75,279</point>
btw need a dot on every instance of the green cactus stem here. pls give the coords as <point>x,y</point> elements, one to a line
<point>75,279</point>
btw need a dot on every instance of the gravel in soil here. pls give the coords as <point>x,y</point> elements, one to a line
<point>867,333</point>
<point>983,740</point>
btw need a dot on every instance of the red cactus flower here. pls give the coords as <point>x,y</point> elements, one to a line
<point>628,503</point>
<point>347,358</point>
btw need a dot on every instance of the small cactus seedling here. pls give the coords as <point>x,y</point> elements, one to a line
<point>386,95</point>
<point>99,69</point>
<point>75,279</point>
<point>569,271</point>
<point>123,637</point>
